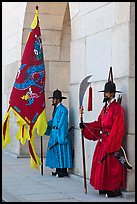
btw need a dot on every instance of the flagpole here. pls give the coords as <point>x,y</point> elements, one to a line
<point>41,137</point>
<point>41,156</point>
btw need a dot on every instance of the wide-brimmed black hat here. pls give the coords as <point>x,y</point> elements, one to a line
<point>57,94</point>
<point>110,87</point>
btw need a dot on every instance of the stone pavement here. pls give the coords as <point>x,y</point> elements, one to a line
<point>20,183</point>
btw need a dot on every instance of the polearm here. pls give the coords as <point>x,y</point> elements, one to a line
<point>83,155</point>
<point>83,86</point>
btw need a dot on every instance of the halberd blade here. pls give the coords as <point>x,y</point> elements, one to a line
<point>83,86</point>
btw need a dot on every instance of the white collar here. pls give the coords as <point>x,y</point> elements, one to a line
<point>58,105</point>
<point>110,101</point>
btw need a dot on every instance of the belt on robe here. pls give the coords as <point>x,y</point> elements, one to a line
<point>54,145</point>
<point>55,127</point>
<point>104,132</point>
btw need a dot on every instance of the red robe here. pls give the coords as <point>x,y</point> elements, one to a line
<point>109,174</point>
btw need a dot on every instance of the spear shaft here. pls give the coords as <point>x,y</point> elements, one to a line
<point>82,89</point>
<point>83,153</point>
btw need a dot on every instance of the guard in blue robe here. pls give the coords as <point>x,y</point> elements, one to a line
<point>59,150</point>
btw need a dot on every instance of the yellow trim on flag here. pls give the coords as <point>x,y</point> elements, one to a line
<point>33,164</point>
<point>41,127</point>
<point>21,133</point>
<point>21,122</point>
<point>7,138</point>
<point>34,23</point>
<point>35,20</point>
<point>41,123</point>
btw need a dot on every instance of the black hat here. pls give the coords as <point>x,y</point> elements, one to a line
<point>57,94</point>
<point>110,85</point>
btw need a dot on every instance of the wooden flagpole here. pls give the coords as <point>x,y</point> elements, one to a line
<point>41,156</point>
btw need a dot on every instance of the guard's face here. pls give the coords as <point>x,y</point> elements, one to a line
<point>55,101</point>
<point>108,96</point>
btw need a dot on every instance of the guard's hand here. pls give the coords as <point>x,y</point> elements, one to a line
<point>81,125</point>
<point>81,110</point>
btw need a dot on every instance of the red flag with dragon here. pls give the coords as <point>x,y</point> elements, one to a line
<point>27,99</point>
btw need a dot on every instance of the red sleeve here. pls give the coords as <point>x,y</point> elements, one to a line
<point>117,132</point>
<point>92,130</point>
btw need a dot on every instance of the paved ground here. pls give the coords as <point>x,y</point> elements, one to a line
<point>20,183</point>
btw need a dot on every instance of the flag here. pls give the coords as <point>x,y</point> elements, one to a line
<point>27,99</point>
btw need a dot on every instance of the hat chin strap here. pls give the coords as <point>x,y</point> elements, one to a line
<point>106,99</point>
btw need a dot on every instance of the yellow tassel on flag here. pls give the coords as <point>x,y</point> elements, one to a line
<point>6,138</point>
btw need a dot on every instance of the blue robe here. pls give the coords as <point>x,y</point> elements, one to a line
<point>59,156</point>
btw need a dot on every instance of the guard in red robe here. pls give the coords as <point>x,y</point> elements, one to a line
<point>107,176</point>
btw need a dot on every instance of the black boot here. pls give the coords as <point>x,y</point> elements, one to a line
<point>102,192</point>
<point>64,170</point>
<point>56,172</point>
<point>62,173</point>
<point>111,194</point>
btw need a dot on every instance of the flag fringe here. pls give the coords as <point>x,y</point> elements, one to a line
<point>6,138</point>
<point>35,161</point>
<point>25,133</point>
<point>41,126</point>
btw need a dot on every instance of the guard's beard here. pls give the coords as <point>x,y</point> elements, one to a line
<point>105,100</point>
<point>53,104</point>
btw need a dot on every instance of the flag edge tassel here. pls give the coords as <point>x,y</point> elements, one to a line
<point>6,138</point>
<point>41,129</point>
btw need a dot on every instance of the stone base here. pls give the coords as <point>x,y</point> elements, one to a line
<point>128,195</point>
